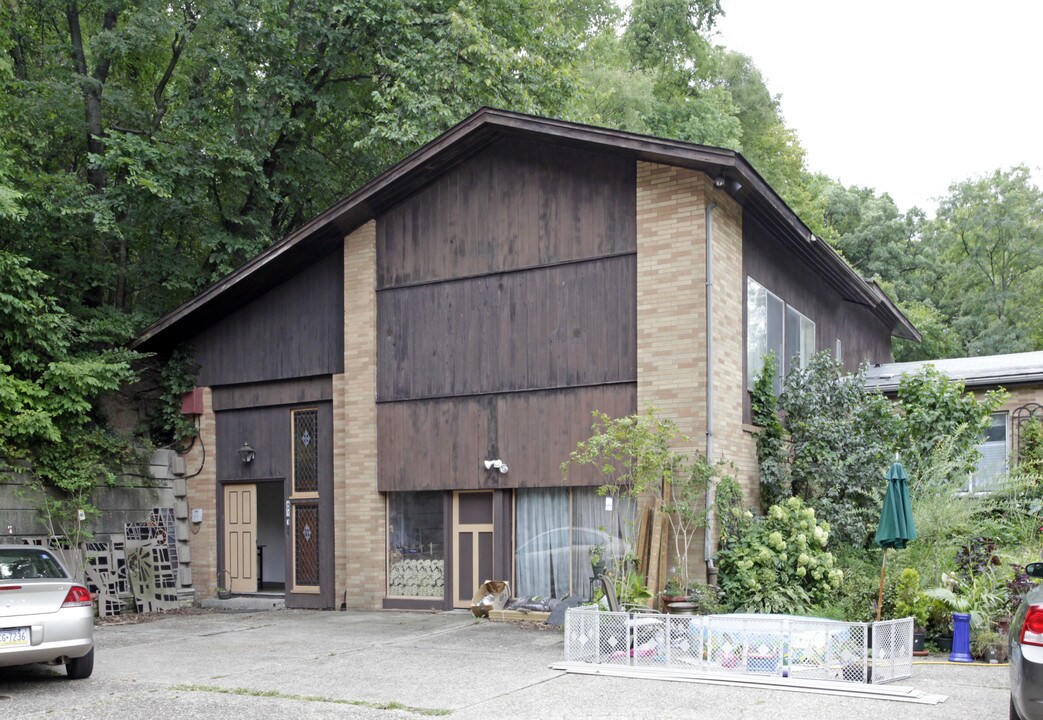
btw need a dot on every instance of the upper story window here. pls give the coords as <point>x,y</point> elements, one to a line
<point>773,326</point>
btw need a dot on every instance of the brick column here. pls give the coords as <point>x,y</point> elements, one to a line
<point>359,509</point>
<point>201,467</point>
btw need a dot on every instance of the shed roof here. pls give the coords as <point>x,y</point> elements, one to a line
<point>983,371</point>
<point>323,234</point>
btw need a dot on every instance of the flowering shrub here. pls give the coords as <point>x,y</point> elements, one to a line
<point>779,563</point>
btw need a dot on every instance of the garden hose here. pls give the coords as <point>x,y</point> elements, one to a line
<point>949,662</point>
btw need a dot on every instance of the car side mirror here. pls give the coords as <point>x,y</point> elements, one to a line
<point>1034,570</point>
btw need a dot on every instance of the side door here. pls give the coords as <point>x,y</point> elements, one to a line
<point>240,538</point>
<point>473,530</point>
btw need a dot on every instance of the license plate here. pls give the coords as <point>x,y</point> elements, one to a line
<point>13,637</point>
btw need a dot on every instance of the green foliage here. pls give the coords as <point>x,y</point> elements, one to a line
<point>730,509</point>
<point>941,518</point>
<point>841,438</point>
<point>631,453</point>
<point>49,377</point>
<point>779,563</point>
<point>910,600</point>
<point>178,140</point>
<point>770,436</point>
<point>931,407</point>
<point>1030,455</point>
<point>989,235</point>
<point>856,599</point>
<point>685,504</point>
<point>178,377</point>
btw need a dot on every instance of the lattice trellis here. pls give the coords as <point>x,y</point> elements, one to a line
<point>1019,419</point>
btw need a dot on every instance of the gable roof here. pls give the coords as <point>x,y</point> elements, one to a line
<point>983,371</point>
<point>324,233</point>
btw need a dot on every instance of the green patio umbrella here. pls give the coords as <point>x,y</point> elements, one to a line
<point>896,520</point>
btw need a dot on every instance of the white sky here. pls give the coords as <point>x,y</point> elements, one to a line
<point>904,96</point>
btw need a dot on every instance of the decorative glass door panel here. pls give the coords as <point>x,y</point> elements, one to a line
<point>305,546</point>
<point>304,501</point>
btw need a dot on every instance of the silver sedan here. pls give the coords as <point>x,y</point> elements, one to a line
<point>45,616</point>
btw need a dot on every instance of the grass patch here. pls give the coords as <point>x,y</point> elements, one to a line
<point>432,712</point>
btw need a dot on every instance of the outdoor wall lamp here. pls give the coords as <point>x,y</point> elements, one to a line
<point>496,465</point>
<point>247,454</point>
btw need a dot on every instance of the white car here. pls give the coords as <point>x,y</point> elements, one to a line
<point>45,616</point>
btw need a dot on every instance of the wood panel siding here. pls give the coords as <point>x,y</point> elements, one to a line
<point>441,444</point>
<point>560,326</point>
<point>863,337</point>
<point>290,392</point>
<point>294,330</point>
<point>267,430</point>
<point>514,204</point>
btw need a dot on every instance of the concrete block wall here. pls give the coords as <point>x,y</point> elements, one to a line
<point>359,509</point>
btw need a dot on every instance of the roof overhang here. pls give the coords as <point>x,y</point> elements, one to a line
<point>325,233</point>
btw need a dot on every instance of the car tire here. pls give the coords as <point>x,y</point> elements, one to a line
<point>81,668</point>
<point>1013,710</point>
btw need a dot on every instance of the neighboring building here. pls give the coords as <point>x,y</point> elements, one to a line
<point>474,304</point>
<point>1020,374</point>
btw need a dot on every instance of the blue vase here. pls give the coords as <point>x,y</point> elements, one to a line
<point>961,638</point>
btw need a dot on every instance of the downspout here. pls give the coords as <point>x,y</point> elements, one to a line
<point>711,488</point>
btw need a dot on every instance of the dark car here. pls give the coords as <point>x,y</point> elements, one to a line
<point>1026,653</point>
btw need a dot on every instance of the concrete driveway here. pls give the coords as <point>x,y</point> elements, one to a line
<point>309,664</point>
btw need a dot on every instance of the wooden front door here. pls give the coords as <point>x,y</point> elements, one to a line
<point>472,544</point>
<point>240,538</point>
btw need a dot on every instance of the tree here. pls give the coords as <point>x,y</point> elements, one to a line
<point>932,408</point>
<point>990,234</point>
<point>841,439</point>
<point>159,145</point>
<point>49,377</point>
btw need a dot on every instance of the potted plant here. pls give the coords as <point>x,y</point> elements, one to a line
<point>223,593</point>
<point>910,601</point>
<point>674,592</point>
<point>597,559</point>
<point>989,645</point>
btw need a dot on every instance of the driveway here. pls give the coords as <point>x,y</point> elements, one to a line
<point>387,665</point>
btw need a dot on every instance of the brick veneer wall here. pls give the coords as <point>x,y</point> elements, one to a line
<point>359,509</point>
<point>671,315</point>
<point>202,493</point>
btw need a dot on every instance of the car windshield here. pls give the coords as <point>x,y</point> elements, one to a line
<point>18,564</point>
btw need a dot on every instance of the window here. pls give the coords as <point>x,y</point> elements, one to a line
<point>775,327</point>
<point>416,542</point>
<point>991,470</point>
<point>555,529</point>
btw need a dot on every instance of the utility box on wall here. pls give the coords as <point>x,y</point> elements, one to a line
<point>192,402</point>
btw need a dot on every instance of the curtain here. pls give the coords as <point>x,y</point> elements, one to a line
<point>593,524</point>
<point>542,538</point>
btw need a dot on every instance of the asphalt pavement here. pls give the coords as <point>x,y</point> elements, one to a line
<point>389,665</point>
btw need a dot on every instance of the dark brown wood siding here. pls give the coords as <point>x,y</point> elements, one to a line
<point>442,443</point>
<point>512,205</point>
<point>863,337</point>
<point>294,330</point>
<point>560,326</point>
<point>267,430</point>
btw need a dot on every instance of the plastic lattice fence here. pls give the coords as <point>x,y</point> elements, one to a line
<point>779,645</point>
<point>892,650</point>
